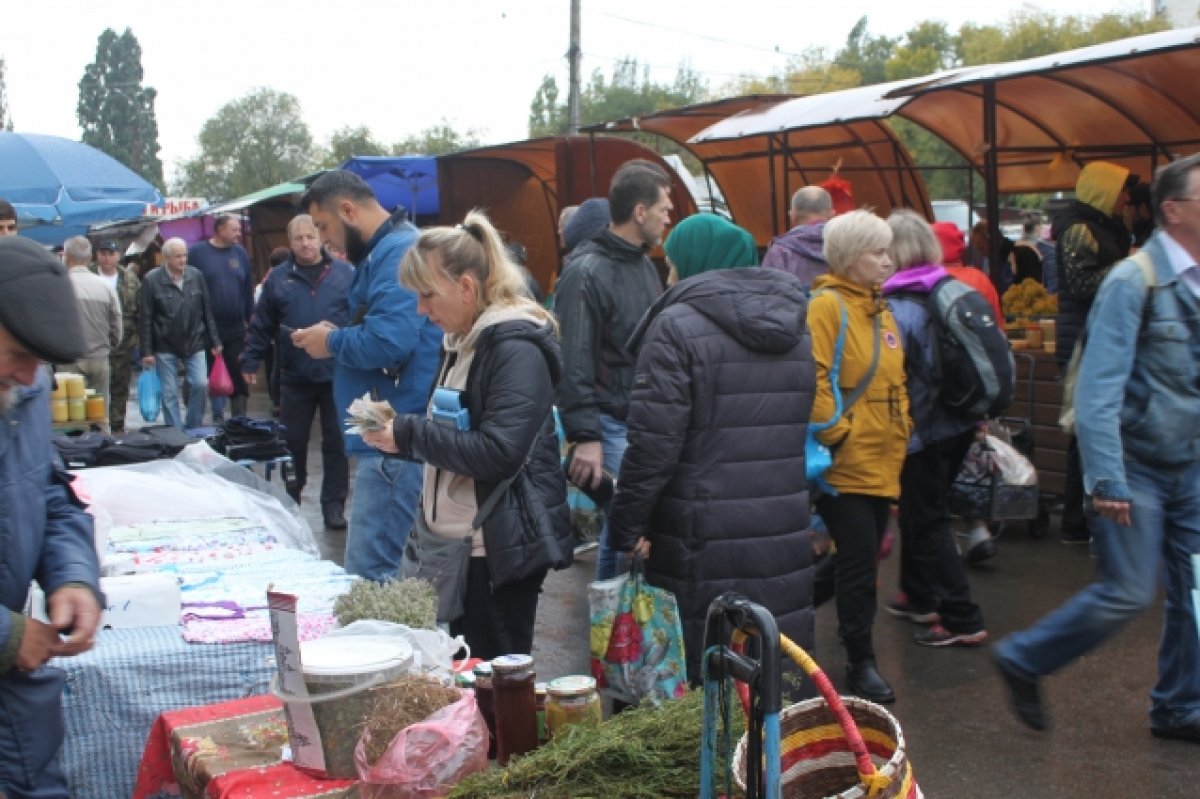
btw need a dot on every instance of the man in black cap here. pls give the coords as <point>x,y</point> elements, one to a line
<point>47,534</point>
<point>125,283</point>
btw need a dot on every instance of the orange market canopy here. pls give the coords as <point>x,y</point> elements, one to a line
<point>1026,126</point>
<point>523,185</point>
<point>1033,123</point>
<point>761,155</point>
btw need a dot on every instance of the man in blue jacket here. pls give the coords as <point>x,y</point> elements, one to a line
<point>387,351</point>
<point>307,288</point>
<point>1139,441</point>
<point>46,534</point>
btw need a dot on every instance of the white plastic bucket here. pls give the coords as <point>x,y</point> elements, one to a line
<point>339,673</point>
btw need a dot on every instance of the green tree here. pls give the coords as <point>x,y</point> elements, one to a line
<point>547,116</point>
<point>439,139</point>
<point>115,111</point>
<point>347,142</point>
<point>1029,33</point>
<point>628,93</point>
<point>866,54</point>
<point>927,48</point>
<point>251,143</point>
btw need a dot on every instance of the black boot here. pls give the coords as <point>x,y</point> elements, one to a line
<point>863,679</point>
<point>237,406</point>
<point>335,517</point>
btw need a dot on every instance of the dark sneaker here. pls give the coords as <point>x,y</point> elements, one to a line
<point>335,518</point>
<point>1023,693</point>
<point>901,608</point>
<point>937,635</point>
<point>1076,537</point>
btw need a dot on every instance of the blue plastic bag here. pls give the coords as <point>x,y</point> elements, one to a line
<point>149,394</point>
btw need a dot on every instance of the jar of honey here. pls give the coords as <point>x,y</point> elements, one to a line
<point>74,385</point>
<point>58,410</point>
<point>76,409</point>
<point>515,704</point>
<point>96,412</point>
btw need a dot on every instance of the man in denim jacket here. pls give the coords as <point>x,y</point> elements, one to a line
<point>1138,421</point>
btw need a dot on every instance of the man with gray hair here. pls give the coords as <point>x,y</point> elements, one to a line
<point>1139,442</point>
<point>177,326</point>
<point>99,317</point>
<point>799,251</point>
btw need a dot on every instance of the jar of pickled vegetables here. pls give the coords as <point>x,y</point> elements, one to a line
<point>572,700</point>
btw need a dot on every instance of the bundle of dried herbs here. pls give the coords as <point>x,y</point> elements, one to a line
<point>646,752</point>
<point>402,703</point>
<point>410,602</point>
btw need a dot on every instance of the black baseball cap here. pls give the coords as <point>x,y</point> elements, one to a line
<point>37,302</point>
<point>108,245</point>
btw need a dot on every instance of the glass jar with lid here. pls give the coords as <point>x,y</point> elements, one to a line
<point>572,700</point>
<point>515,705</point>
<point>482,674</point>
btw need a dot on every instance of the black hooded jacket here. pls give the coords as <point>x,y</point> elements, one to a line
<point>509,395</point>
<point>602,294</point>
<point>714,473</point>
<point>1082,263</point>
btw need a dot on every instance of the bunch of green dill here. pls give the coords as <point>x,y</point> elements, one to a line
<point>410,602</point>
<point>646,752</point>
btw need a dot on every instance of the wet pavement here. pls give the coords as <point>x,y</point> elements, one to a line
<point>962,739</point>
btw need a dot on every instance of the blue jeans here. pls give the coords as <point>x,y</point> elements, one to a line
<point>1165,530</point>
<point>387,494</point>
<point>613,440</point>
<point>167,366</point>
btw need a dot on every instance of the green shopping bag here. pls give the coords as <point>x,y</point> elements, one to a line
<point>636,639</point>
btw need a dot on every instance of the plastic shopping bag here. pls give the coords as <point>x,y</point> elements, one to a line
<point>149,393</point>
<point>636,639</point>
<point>426,759</point>
<point>220,384</point>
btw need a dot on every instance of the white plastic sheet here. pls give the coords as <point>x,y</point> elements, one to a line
<point>199,483</point>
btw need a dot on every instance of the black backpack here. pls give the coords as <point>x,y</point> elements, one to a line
<point>974,369</point>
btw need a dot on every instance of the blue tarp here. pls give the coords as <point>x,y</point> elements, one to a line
<point>397,180</point>
<point>61,187</point>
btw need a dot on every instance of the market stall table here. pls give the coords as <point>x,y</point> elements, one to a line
<point>115,692</point>
<point>231,749</point>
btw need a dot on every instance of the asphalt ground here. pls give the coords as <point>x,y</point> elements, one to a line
<point>960,734</point>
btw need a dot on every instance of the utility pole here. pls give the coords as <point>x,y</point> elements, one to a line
<point>573,54</point>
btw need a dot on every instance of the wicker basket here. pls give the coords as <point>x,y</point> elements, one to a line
<point>834,746</point>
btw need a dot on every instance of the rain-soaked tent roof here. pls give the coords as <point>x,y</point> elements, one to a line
<point>757,174</point>
<point>523,186</point>
<point>1135,102</point>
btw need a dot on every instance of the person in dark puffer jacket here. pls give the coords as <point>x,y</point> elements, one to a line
<point>501,353</point>
<point>1089,240</point>
<point>712,488</point>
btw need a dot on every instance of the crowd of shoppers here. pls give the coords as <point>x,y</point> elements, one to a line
<point>696,400</point>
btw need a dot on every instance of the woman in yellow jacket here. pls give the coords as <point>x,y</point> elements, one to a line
<point>869,440</point>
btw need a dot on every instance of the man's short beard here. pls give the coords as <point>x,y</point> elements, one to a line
<point>355,245</point>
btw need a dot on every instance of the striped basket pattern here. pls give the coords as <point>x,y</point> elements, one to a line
<point>835,747</point>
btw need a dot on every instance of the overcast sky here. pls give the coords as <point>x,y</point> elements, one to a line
<point>401,66</point>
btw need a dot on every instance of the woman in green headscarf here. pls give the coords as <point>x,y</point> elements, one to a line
<point>705,242</point>
<point>712,485</point>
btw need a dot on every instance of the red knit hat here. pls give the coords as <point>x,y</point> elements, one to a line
<point>951,239</point>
